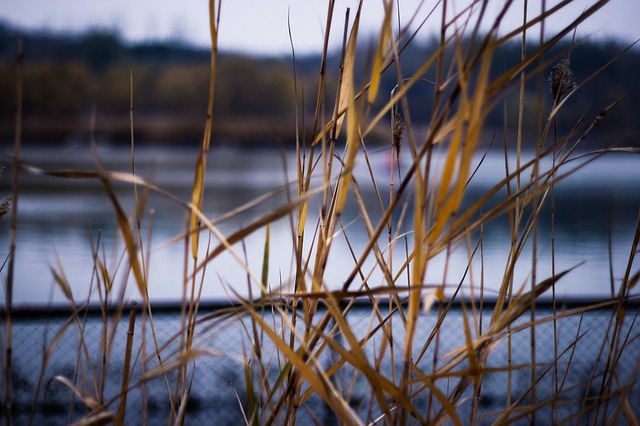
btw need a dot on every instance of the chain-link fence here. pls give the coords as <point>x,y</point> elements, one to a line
<point>570,373</point>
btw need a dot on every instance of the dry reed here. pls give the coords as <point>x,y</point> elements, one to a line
<point>299,342</point>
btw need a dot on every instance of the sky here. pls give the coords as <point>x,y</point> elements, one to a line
<point>260,26</point>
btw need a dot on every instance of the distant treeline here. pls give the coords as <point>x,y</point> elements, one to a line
<point>79,85</point>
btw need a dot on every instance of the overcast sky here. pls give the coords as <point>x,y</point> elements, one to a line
<point>260,26</point>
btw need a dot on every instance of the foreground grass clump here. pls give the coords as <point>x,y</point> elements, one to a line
<point>306,342</point>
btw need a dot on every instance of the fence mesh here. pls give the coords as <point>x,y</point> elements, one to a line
<point>569,372</point>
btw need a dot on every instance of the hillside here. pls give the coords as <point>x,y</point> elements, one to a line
<point>79,85</point>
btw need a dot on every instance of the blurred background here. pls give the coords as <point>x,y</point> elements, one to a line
<point>79,57</point>
<point>83,59</point>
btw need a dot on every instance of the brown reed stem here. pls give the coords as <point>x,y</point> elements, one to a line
<point>127,366</point>
<point>8,317</point>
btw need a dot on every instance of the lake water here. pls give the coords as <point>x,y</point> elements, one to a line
<point>595,219</point>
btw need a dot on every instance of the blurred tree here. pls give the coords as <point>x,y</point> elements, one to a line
<point>113,88</point>
<point>7,89</point>
<point>99,48</point>
<point>57,88</point>
<point>247,86</point>
<point>182,88</point>
<point>67,75</point>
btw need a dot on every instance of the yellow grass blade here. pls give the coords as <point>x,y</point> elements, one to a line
<point>90,402</point>
<point>418,268</point>
<point>519,305</point>
<point>379,383</point>
<point>353,124</point>
<point>197,199</point>
<point>126,369</point>
<point>466,137</point>
<point>474,366</point>
<point>316,378</point>
<point>302,220</point>
<point>96,419</point>
<point>447,405</point>
<point>226,243</point>
<point>127,235</point>
<point>633,281</point>
<point>214,18</point>
<point>430,298</point>
<point>383,42</point>
<point>356,355</point>
<point>252,402</point>
<point>61,279</point>
<point>265,259</point>
<point>199,178</point>
<point>346,86</point>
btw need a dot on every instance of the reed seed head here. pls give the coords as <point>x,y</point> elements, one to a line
<point>399,127</point>
<point>5,207</point>
<point>561,79</point>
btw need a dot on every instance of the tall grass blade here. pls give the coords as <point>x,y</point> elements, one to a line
<point>312,374</point>
<point>61,279</point>
<point>265,260</point>
<point>353,142</point>
<point>346,88</point>
<point>127,236</point>
<point>252,400</point>
<point>466,137</point>
<point>126,370</point>
<point>197,196</point>
<point>304,341</point>
<point>384,38</point>
<point>197,200</point>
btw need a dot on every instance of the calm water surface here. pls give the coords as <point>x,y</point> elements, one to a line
<point>60,220</point>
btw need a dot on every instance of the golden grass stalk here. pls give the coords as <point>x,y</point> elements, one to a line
<point>381,51</point>
<point>311,372</point>
<point>201,164</point>
<point>127,235</point>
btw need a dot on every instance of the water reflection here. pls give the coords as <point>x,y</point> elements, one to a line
<point>595,212</point>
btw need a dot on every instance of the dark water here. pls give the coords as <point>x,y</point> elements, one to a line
<point>596,209</point>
